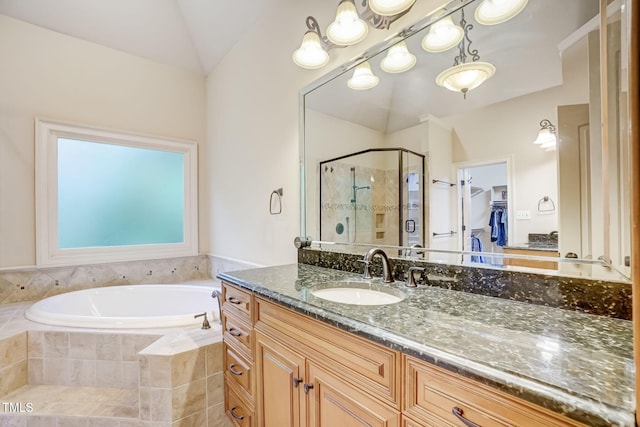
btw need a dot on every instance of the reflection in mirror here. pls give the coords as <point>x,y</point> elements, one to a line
<point>373,195</point>
<point>552,200</point>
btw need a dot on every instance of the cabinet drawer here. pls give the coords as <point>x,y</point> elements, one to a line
<point>237,301</point>
<point>433,394</point>
<point>363,363</point>
<point>238,410</point>
<point>237,333</point>
<point>238,369</point>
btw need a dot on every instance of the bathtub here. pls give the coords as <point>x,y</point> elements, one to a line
<point>127,307</point>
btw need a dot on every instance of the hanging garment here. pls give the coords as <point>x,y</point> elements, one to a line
<point>498,224</point>
<point>476,246</point>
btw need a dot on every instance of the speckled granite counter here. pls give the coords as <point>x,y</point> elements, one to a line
<point>572,363</point>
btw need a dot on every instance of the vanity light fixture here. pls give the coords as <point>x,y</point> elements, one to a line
<point>546,136</point>
<point>363,78</point>
<point>390,7</point>
<point>398,59</point>
<point>443,35</point>
<point>350,27</point>
<point>464,76</point>
<point>311,53</point>
<point>492,12</point>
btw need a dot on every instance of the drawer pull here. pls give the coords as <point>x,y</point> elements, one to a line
<point>234,332</point>
<point>459,414</point>
<point>236,416</point>
<point>233,371</point>
<point>233,300</point>
<point>296,382</point>
<point>307,387</point>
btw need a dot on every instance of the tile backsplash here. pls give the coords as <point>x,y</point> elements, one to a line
<point>35,284</point>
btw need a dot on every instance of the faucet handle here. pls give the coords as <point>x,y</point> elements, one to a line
<point>365,273</point>
<point>205,322</point>
<point>411,278</point>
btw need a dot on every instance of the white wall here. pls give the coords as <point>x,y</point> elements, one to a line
<point>252,117</point>
<point>47,74</point>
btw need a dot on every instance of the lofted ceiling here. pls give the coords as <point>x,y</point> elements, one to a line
<point>191,34</point>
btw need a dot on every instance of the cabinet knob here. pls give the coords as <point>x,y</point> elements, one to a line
<point>296,382</point>
<point>459,414</point>
<point>307,387</point>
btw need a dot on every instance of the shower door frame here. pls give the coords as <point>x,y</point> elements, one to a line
<point>401,229</point>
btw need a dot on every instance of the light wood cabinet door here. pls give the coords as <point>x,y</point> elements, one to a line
<point>280,383</point>
<point>333,403</point>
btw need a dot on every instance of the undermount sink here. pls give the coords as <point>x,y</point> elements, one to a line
<point>357,293</point>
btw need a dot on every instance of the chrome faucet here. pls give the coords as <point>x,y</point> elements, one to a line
<point>386,266</point>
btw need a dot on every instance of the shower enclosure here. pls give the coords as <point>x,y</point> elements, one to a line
<point>375,196</point>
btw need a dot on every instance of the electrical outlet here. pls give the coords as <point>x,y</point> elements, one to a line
<point>523,214</point>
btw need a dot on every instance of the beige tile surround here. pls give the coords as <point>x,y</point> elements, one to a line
<point>98,378</point>
<point>74,377</point>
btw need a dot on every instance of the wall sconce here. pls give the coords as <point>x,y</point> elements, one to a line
<point>464,76</point>
<point>492,12</point>
<point>546,136</point>
<point>349,27</point>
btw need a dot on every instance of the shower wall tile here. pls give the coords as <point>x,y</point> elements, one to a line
<point>34,284</point>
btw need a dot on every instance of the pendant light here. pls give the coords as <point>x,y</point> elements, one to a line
<point>363,78</point>
<point>398,59</point>
<point>347,28</point>
<point>443,34</point>
<point>464,76</point>
<point>492,12</point>
<point>390,7</point>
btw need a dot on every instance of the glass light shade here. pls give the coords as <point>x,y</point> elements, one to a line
<point>398,59</point>
<point>464,77</point>
<point>390,7</point>
<point>443,35</point>
<point>363,78</point>
<point>545,137</point>
<point>310,54</point>
<point>551,147</point>
<point>492,12</point>
<point>348,28</point>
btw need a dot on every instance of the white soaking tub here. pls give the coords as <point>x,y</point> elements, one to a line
<point>127,307</point>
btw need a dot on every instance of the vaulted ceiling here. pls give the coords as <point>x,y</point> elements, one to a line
<point>191,34</point>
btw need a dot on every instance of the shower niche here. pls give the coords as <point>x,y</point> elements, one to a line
<point>373,196</point>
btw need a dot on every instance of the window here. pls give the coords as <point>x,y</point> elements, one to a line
<point>105,196</point>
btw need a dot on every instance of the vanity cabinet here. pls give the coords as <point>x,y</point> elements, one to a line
<point>532,263</point>
<point>300,372</point>
<point>441,398</point>
<point>239,378</point>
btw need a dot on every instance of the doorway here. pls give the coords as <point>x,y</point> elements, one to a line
<point>484,210</point>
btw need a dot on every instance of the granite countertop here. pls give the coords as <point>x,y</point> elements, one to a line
<point>573,363</point>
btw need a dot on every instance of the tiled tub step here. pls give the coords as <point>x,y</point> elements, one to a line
<point>55,405</point>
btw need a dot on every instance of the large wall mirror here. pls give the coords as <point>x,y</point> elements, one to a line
<point>475,176</point>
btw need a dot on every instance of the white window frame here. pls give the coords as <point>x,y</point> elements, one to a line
<point>48,253</point>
